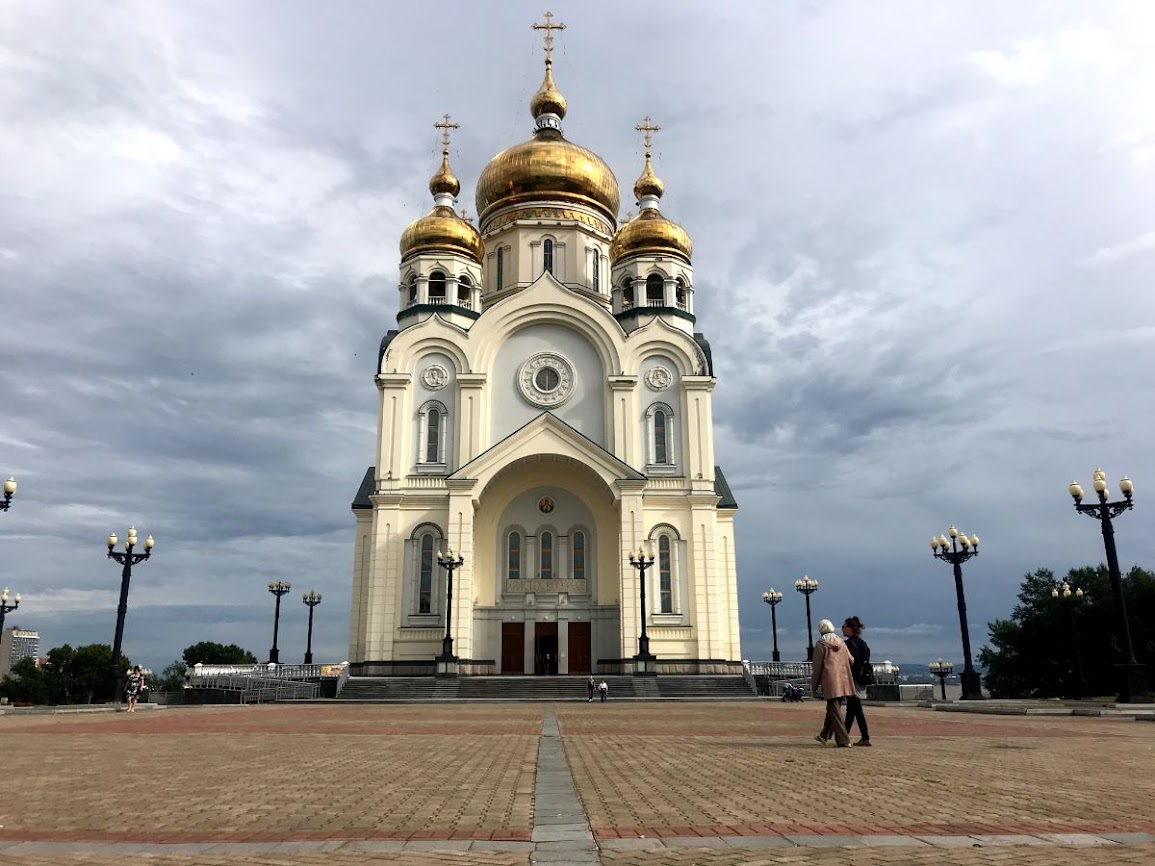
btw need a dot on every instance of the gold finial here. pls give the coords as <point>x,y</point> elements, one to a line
<point>649,184</point>
<point>548,27</point>
<point>445,181</point>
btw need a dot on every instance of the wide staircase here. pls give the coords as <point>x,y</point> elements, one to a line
<point>530,688</point>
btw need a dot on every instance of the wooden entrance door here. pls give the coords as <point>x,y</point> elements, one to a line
<point>513,647</point>
<point>545,648</point>
<point>579,648</point>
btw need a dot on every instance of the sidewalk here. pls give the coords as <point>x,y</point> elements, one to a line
<point>706,783</point>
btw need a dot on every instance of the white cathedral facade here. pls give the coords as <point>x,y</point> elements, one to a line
<point>545,412</point>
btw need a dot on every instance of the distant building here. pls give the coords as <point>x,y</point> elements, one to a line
<point>17,643</point>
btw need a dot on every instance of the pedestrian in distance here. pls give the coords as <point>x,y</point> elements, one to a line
<point>830,670</point>
<point>133,686</point>
<point>603,690</point>
<point>863,673</point>
<point>590,686</point>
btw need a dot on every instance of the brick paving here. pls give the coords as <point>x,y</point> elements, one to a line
<point>677,783</point>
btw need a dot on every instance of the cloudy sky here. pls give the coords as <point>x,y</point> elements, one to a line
<point>924,256</point>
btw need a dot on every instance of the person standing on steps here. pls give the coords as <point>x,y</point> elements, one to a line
<point>603,690</point>
<point>862,672</point>
<point>830,670</point>
<point>590,686</point>
<point>133,687</point>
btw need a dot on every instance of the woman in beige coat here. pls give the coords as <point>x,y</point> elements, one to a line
<point>830,669</point>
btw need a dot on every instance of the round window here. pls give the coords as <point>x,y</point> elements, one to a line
<point>546,380</point>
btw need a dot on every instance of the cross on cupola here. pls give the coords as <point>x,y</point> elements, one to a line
<point>649,187</point>
<point>548,27</point>
<point>648,128</point>
<point>444,185</point>
<point>445,126</point>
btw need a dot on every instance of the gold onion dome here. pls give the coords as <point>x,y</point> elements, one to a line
<point>442,230</point>
<point>650,233</point>
<point>547,167</point>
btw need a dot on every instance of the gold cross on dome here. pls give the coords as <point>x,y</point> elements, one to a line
<point>549,27</point>
<point>445,126</point>
<point>647,127</point>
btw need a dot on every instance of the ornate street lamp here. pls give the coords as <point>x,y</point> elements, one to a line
<point>9,492</point>
<point>808,586</point>
<point>942,670</point>
<point>128,559</point>
<point>312,599</point>
<point>1132,678</point>
<point>1070,599</point>
<point>277,588</point>
<point>773,598</point>
<point>956,550</point>
<point>6,608</point>
<point>447,661</point>
<point>645,659</point>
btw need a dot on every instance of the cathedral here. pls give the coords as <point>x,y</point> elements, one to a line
<point>544,498</point>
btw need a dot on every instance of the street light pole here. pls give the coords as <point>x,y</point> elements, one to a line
<point>942,670</point>
<point>128,559</point>
<point>773,598</point>
<point>9,492</point>
<point>6,608</point>
<point>312,599</point>
<point>957,550</point>
<point>447,661</point>
<point>645,659</point>
<point>1132,676</point>
<point>808,586</point>
<point>1069,600</point>
<point>277,588</point>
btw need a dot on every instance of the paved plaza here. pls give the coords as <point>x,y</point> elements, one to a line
<point>619,783</point>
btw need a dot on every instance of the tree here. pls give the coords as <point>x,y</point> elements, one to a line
<point>172,677</point>
<point>1032,654</point>
<point>69,676</point>
<point>25,683</point>
<point>210,653</point>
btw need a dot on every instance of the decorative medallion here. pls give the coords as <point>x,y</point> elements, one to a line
<point>435,377</point>
<point>659,378</point>
<point>545,505</point>
<point>546,380</point>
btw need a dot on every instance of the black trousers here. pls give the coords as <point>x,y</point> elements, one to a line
<point>854,714</point>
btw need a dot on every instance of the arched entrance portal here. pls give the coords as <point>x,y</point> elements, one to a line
<point>546,532</point>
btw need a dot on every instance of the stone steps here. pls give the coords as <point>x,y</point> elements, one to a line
<point>534,688</point>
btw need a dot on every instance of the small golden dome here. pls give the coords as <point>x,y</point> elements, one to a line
<point>649,183</point>
<point>548,168</point>
<point>650,233</point>
<point>442,231</point>
<point>445,180</point>
<point>548,99</point>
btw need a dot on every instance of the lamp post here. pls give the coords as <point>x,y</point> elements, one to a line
<point>942,670</point>
<point>1070,599</point>
<point>645,658</point>
<point>128,559</point>
<point>312,599</point>
<point>9,492</point>
<point>773,598</point>
<point>277,588</point>
<point>6,608</point>
<point>808,586</point>
<point>956,550</point>
<point>1132,679</point>
<point>447,661</point>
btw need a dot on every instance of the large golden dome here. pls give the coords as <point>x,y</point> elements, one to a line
<point>650,233</point>
<point>547,167</point>
<point>442,230</point>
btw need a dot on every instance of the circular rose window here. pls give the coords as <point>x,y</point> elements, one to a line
<point>546,380</point>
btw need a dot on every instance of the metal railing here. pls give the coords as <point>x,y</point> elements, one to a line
<point>266,671</point>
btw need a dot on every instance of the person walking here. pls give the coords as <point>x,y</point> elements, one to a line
<point>133,686</point>
<point>590,686</point>
<point>830,669</point>
<point>863,674</point>
<point>603,690</point>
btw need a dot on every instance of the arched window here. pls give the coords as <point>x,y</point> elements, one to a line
<point>578,572</point>
<point>464,289</point>
<point>425,574</point>
<point>432,436</point>
<point>500,280</point>
<point>547,255</point>
<point>437,288</point>
<point>412,290</point>
<point>546,541</point>
<point>661,437</point>
<point>597,275</point>
<point>513,556</point>
<point>627,293</point>
<point>655,291</point>
<point>665,576</point>
<point>680,293</point>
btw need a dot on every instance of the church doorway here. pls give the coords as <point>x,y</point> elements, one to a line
<point>513,647</point>
<point>580,657</point>
<point>545,648</point>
